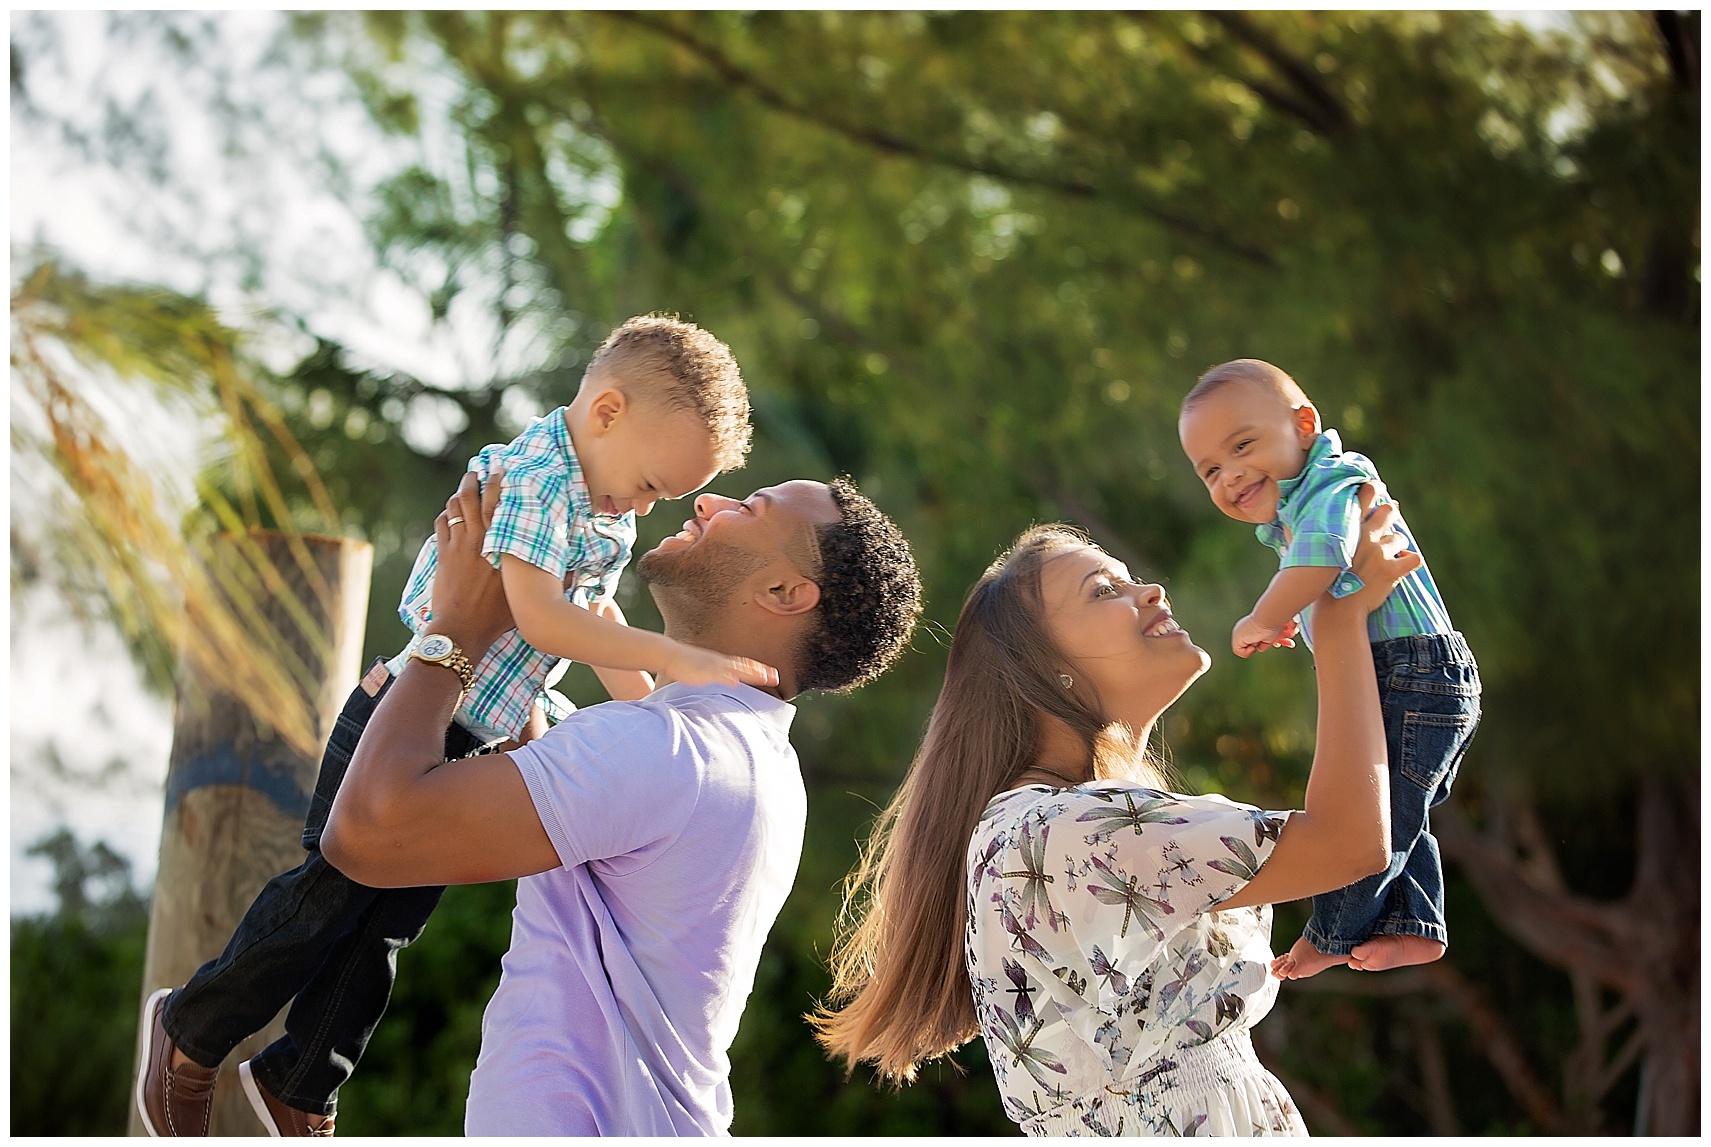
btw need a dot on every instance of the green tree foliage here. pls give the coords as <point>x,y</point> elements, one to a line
<point>82,351</point>
<point>74,982</point>
<point>976,258</point>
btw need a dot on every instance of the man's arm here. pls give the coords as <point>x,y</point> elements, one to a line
<point>404,816</point>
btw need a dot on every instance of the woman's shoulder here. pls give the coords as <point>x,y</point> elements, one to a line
<point>1092,798</point>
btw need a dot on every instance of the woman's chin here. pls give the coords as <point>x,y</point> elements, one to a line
<point>1199,659</point>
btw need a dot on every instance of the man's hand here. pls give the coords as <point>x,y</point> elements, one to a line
<point>469,599</point>
<point>607,608</point>
<point>1249,636</point>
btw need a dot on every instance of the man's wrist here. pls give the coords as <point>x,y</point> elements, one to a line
<point>474,641</point>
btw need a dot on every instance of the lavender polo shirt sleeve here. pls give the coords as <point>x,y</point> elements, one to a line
<point>678,820</point>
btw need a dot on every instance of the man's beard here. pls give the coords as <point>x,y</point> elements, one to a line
<point>692,585</point>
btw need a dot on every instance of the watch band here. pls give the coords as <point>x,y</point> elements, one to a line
<point>438,649</point>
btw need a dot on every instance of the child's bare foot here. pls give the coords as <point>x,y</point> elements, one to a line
<point>1381,953</point>
<point>1303,960</point>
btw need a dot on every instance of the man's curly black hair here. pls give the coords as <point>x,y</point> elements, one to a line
<point>870,596</point>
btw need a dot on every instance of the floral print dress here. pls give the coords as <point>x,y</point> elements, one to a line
<point>1113,997</point>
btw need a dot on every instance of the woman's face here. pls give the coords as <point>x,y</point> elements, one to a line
<point>1119,633</point>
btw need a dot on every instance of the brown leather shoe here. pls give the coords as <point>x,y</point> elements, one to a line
<point>280,1120</point>
<point>172,1102</point>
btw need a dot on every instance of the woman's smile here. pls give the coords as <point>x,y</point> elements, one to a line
<point>1164,625</point>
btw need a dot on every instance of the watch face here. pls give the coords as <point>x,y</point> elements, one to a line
<point>435,646</point>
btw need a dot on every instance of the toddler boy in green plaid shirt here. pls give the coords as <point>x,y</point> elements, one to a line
<point>661,409</point>
<point>1256,442</point>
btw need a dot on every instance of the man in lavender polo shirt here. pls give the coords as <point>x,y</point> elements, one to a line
<point>655,840</point>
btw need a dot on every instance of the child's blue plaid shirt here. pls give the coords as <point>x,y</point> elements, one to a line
<point>546,518</point>
<point>1318,523</point>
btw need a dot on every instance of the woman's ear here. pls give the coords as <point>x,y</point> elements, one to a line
<point>1307,426</point>
<point>788,594</point>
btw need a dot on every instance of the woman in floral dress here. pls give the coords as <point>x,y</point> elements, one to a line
<point>1034,882</point>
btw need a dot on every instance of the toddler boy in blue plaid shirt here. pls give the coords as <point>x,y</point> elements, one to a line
<point>661,410</point>
<point>1255,441</point>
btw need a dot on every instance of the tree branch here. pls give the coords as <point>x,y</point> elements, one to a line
<point>1327,114</point>
<point>1681,45</point>
<point>885,142</point>
<point>1558,927</point>
<point>1434,1075</point>
<point>1110,539</point>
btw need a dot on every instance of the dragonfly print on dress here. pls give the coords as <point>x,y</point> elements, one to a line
<point>1152,808</point>
<point>1242,864</point>
<point>1137,905</point>
<point>1113,993</point>
<point>1036,905</point>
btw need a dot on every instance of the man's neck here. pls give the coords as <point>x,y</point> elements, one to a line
<point>731,641</point>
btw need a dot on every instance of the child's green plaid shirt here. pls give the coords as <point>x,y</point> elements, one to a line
<point>1318,523</point>
<point>546,518</point>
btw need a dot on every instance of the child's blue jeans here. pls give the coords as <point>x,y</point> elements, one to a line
<point>1428,687</point>
<point>315,939</point>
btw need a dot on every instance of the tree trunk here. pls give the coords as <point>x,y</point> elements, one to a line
<point>236,794</point>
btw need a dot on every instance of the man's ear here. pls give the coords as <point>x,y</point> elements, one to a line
<point>788,594</point>
<point>1307,423</point>
<point>608,405</point>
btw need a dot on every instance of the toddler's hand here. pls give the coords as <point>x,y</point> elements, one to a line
<point>1249,636</point>
<point>695,666</point>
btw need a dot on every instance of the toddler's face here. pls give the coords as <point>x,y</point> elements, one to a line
<point>646,454</point>
<point>1243,440</point>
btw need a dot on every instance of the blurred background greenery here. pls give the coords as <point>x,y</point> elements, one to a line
<point>974,260</point>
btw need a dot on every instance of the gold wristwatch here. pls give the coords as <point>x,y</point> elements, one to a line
<point>438,649</point>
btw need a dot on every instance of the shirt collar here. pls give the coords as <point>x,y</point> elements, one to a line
<point>1327,444</point>
<point>763,705</point>
<point>1323,447</point>
<point>581,501</point>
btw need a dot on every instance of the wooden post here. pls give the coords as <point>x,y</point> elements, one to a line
<point>236,796</point>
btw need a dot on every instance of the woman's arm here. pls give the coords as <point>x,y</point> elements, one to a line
<point>1344,832</point>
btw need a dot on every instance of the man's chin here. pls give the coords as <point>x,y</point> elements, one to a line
<point>677,561</point>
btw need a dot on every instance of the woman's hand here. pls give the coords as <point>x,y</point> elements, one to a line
<point>1381,557</point>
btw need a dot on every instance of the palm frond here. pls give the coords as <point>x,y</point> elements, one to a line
<point>198,587</point>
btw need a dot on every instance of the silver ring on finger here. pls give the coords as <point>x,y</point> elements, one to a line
<point>453,520</point>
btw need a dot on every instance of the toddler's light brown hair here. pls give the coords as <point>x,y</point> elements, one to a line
<point>661,359</point>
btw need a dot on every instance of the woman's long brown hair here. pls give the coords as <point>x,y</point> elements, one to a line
<point>899,983</point>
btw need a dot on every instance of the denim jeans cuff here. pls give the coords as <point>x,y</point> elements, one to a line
<point>1426,928</point>
<point>1324,944</point>
<point>200,1053</point>
<point>1342,947</point>
<point>273,1080</point>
